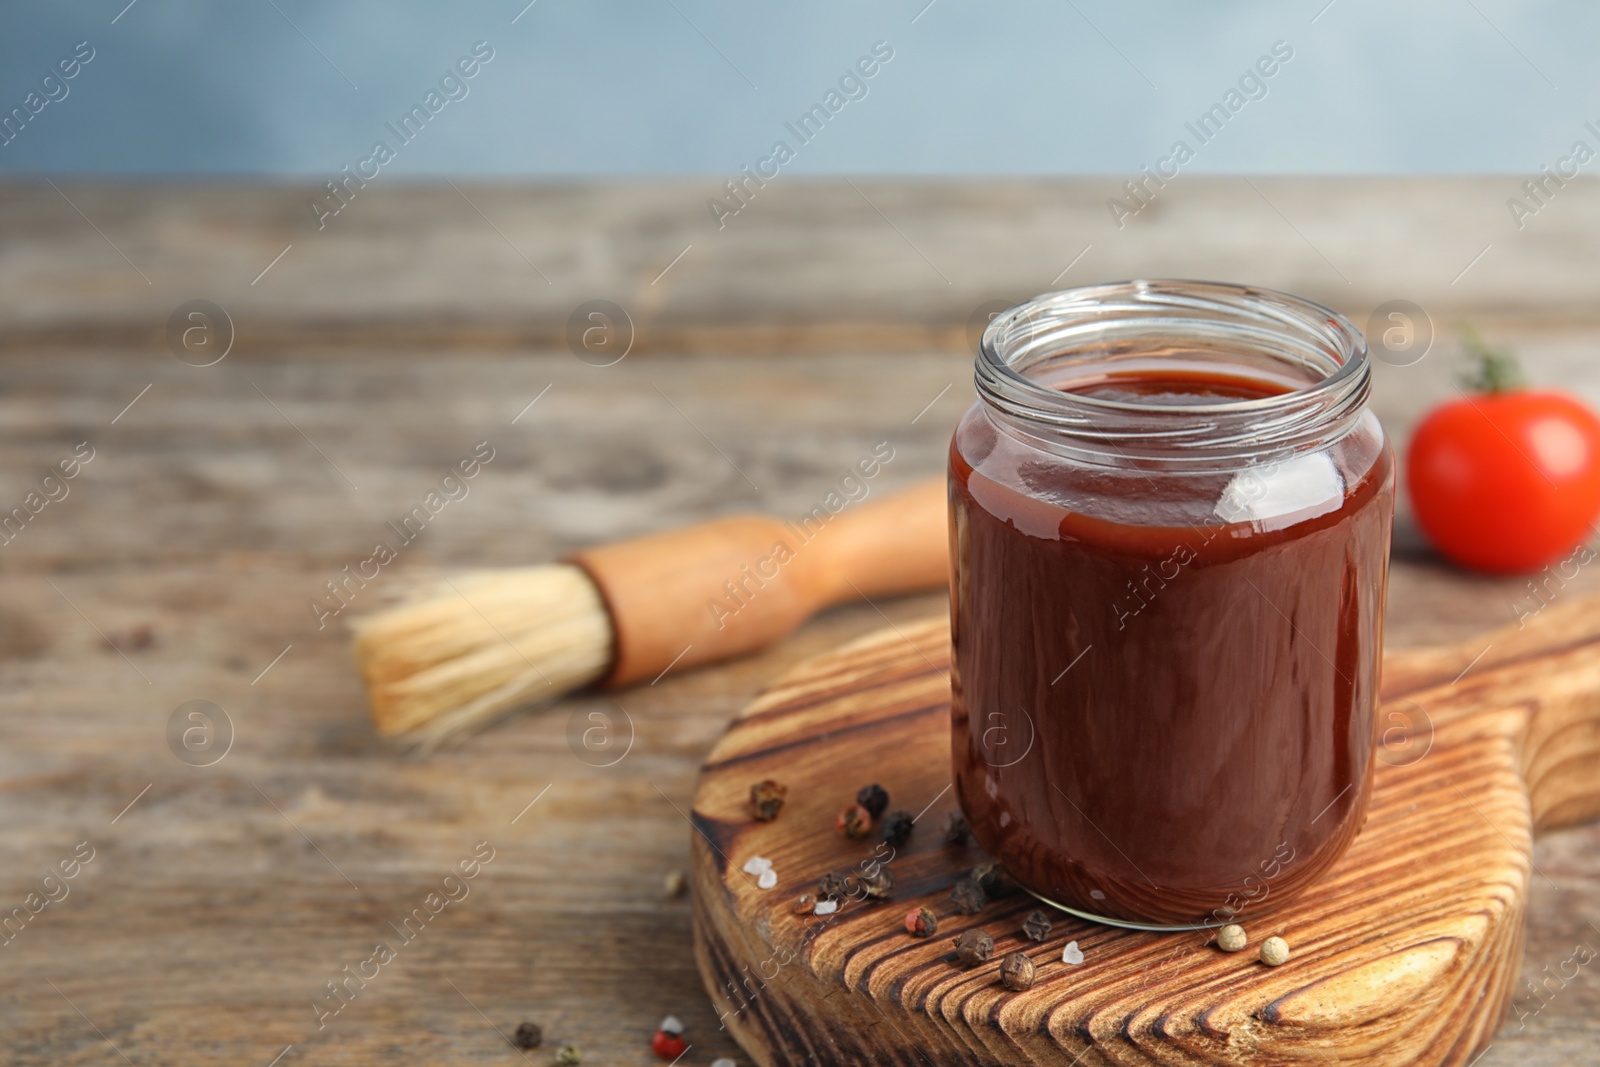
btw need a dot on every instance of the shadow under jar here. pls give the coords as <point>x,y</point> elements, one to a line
<point>1170,513</point>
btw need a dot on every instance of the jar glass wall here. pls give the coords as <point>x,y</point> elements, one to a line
<point>1170,520</point>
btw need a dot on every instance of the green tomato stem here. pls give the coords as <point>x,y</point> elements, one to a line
<point>1489,369</point>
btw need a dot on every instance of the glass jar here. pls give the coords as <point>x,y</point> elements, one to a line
<point>1170,512</point>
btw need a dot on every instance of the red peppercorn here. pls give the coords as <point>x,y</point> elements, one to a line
<point>853,822</point>
<point>920,922</point>
<point>668,1046</point>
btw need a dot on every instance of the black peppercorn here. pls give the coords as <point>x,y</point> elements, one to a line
<point>878,881</point>
<point>528,1035</point>
<point>833,886</point>
<point>1036,925</point>
<point>766,799</point>
<point>1016,972</point>
<point>874,798</point>
<point>974,946</point>
<point>968,897</point>
<point>994,879</point>
<point>898,826</point>
<point>956,831</point>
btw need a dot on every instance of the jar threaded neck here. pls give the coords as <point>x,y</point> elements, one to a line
<point>1316,356</point>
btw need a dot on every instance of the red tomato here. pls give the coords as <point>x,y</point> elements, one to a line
<point>1506,482</point>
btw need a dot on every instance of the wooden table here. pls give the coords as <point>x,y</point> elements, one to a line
<point>366,360</point>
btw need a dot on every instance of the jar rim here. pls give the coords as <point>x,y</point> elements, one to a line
<point>1263,322</point>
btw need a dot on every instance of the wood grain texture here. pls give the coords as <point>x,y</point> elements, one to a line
<point>207,921</point>
<point>1405,953</point>
<point>194,540</point>
<point>811,265</point>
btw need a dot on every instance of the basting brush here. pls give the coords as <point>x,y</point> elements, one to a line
<point>481,644</point>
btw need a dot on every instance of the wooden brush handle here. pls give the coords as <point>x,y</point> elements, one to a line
<point>715,590</point>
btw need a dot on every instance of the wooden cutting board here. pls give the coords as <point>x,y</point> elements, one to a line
<point>1406,953</point>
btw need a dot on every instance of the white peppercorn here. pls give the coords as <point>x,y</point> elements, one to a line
<point>1232,938</point>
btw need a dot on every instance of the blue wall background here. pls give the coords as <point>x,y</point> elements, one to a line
<point>594,87</point>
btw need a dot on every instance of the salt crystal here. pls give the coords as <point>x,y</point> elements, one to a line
<point>671,1024</point>
<point>1072,954</point>
<point>757,864</point>
<point>825,907</point>
<point>767,879</point>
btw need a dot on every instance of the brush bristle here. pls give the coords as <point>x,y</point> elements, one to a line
<point>480,645</point>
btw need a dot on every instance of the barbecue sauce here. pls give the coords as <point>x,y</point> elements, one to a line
<point>1163,683</point>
